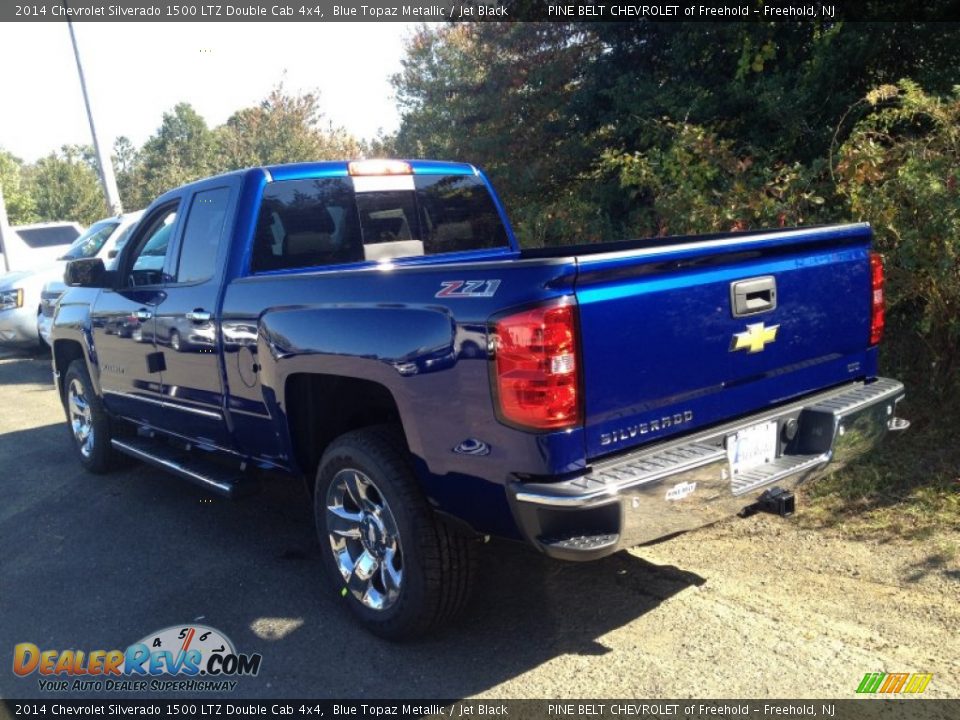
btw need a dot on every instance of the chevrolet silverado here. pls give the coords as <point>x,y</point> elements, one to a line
<point>375,328</point>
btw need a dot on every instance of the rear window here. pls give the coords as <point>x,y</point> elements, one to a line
<point>328,221</point>
<point>48,236</point>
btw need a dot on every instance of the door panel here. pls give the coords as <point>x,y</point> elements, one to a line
<point>123,330</point>
<point>124,323</point>
<point>186,324</point>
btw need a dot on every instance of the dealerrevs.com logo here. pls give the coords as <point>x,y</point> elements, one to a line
<point>180,658</point>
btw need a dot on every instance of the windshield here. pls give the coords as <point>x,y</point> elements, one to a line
<point>89,244</point>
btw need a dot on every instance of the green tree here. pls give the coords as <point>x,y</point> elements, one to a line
<point>382,146</point>
<point>544,107</point>
<point>126,160</point>
<point>283,128</point>
<point>498,95</point>
<point>65,187</point>
<point>21,208</point>
<point>182,150</point>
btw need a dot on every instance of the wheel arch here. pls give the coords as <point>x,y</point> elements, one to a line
<point>321,407</point>
<point>64,352</point>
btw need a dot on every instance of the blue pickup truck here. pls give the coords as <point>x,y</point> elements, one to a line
<point>374,327</point>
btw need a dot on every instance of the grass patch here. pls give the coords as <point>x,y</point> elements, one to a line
<point>908,487</point>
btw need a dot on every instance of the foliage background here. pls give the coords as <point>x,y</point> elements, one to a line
<point>594,132</point>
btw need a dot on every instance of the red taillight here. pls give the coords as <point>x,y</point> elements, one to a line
<point>535,361</point>
<point>877,319</point>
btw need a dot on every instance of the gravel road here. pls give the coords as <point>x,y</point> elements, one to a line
<point>748,608</point>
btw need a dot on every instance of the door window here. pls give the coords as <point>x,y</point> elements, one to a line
<point>147,263</point>
<point>201,237</point>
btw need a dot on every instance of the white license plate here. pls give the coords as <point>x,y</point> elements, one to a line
<point>752,446</point>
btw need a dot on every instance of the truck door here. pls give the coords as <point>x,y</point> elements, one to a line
<point>124,324</point>
<point>187,327</point>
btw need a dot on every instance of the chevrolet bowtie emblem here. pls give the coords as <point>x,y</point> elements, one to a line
<point>754,338</point>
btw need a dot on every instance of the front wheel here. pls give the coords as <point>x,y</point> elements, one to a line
<point>402,570</point>
<point>87,421</point>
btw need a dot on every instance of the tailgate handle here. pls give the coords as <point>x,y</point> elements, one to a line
<point>753,296</point>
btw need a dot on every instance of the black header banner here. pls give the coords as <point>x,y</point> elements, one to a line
<point>861,709</point>
<point>477,11</point>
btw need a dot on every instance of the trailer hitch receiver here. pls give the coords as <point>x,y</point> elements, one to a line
<point>775,500</point>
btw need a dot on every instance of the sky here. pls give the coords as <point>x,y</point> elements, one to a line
<point>137,71</point>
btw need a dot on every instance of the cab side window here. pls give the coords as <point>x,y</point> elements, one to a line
<point>307,223</point>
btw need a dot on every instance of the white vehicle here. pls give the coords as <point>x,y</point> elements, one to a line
<point>33,246</point>
<point>21,299</point>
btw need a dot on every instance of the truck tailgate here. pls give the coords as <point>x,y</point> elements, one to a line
<point>668,346</point>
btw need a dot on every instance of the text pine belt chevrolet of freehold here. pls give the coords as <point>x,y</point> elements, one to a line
<point>374,327</point>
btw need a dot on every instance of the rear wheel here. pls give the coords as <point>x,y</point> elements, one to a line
<point>87,421</point>
<point>175,340</point>
<point>400,568</point>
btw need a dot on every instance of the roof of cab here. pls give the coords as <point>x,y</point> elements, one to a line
<point>338,168</point>
<point>332,168</point>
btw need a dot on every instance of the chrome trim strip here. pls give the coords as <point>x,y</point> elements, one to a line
<point>132,396</point>
<point>166,404</point>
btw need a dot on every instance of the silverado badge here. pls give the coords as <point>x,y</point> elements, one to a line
<point>754,338</point>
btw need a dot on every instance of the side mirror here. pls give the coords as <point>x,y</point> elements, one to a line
<point>87,272</point>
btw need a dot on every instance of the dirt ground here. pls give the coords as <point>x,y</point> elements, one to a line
<point>758,608</point>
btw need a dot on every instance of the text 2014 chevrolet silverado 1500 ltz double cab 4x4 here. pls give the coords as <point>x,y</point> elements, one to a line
<point>374,327</point>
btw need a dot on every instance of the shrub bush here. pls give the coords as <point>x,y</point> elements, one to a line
<point>899,169</point>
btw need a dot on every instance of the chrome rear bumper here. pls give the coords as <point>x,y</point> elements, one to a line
<point>680,485</point>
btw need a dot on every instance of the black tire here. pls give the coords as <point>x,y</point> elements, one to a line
<point>175,341</point>
<point>99,456</point>
<point>438,561</point>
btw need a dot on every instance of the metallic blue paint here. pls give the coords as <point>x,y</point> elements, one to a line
<point>655,325</point>
<point>656,345</point>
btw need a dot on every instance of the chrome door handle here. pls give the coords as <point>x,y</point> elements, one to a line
<point>198,316</point>
<point>143,314</point>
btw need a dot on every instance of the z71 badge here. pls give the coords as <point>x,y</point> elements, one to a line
<point>468,288</point>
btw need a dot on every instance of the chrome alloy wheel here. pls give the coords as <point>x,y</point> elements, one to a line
<point>364,539</point>
<point>81,419</point>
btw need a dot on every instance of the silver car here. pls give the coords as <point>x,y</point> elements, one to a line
<point>22,304</point>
